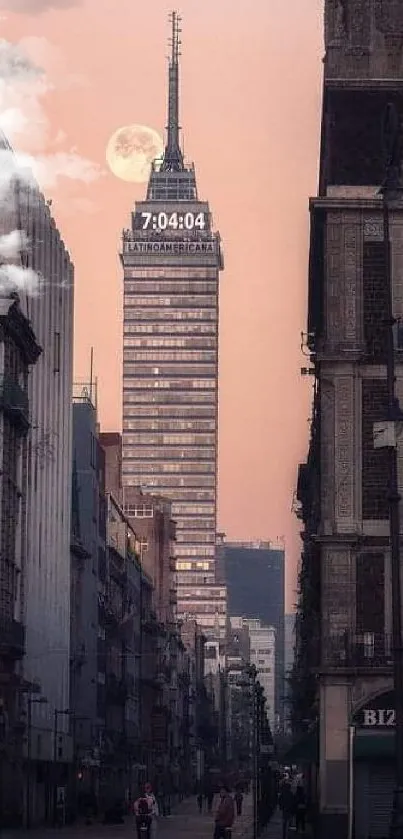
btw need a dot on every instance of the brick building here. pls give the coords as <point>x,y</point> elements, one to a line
<point>344,616</point>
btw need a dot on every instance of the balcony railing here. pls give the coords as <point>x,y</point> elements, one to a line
<point>367,650</point>
<point>14,402</point>
<point>12,637</point>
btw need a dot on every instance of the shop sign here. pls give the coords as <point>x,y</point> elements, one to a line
<point>379,713</point>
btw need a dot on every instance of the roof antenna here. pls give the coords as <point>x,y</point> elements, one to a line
<point>173,157</point>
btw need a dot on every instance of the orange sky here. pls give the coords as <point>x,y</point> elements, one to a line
<point>250,109</point>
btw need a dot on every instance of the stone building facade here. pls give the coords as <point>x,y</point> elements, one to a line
<point>345,509</point>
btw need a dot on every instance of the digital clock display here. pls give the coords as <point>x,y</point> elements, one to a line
<point>172,221</point>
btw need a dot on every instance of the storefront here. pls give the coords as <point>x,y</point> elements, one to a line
<point>374,767</point>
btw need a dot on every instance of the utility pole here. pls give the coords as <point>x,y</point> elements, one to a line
<point>392,192</point>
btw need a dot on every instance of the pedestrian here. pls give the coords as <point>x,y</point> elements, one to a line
<point>153,809</point>
<point>209,798</point>
<point>200,802</point>
<point>225,815</point>
<point>286,804</point>
<point>300,809</point>
<point>142,815</point>
<point>238,801</point>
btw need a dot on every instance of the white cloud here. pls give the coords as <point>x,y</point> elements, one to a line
<point>11,244</point>
<point>23,119</point>
<point>13,278</point>
<point>34,7</point>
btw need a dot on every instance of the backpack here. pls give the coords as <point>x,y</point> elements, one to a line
<point>143,808</point>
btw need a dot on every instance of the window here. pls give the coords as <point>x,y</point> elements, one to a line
<point>141,511</point>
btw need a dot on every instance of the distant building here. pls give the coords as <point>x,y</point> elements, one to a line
<point>289,645</point>
<point>88,577</point>
<point>254,574</point>
<point>262,641</point>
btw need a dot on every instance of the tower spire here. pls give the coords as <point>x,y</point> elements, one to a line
<point>173,158</point>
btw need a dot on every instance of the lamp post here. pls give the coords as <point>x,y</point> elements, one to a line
<point>392,190</point>
<point>56,716</point>
<point>31,700</point>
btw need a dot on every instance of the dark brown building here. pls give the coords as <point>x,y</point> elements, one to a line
<point>344,619</point>
<point>19,351</point>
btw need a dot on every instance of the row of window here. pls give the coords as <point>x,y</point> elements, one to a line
<point>169,286</point>
<point>190,329</point>
<point>160,469</point>
<point>167,384</point>
<point>183,553</point>
<point>144,439</point>
<point>169,425</point>
<point>171,355</point>
<point>169,314</point>
<point>193,509</point>
<point>204,301</point>
<point>182,397</point>
<point>196,607</point>
<point>158,453</point>
<point>185,371</point>
<point>184,494</point>
<point>195,537</point>
<point>170,273</point>
<point>193,411</point>
<point>164,342</point>
<point>194,566</point>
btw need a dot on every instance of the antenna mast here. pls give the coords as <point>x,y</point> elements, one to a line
<point>173,158</point>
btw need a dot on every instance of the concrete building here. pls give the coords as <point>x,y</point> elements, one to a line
<point>343,488</point>
<point>254,573</point>
<point>263,655</point>
<point>171,258</point>
<point>88,577</point>
<point>151,518</point>
<point>45,607</point>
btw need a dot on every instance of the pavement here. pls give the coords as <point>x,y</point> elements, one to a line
<point>185,821</point>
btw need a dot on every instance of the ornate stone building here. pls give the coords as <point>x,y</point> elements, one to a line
<point>347,342</point>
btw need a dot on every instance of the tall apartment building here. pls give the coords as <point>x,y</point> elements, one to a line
<point>343,489</point>
<point>41,536</point>
<point>172,258</point>
<point>47,580</point>
<point>254,573</point>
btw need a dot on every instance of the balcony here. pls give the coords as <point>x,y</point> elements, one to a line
<point>14,403</point>
<point>12,638</point>
<point>367,650</point>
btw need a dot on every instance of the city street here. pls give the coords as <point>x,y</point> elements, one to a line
<point>185,821</point>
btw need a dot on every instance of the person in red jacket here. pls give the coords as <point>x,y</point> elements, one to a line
<point>225,815</point>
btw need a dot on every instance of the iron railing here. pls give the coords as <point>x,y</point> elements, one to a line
<point>352,649</point>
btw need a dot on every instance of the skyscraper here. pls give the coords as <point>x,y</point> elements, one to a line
<point>172,259</point>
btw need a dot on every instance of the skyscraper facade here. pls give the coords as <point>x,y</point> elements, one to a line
<point>172,258</point>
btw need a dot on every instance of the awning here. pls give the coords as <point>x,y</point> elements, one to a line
<point>304,750</point>
<point>369,745</point>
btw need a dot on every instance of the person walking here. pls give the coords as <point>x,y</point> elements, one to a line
<point>225,815</point>
<point>142,815</point>
<point>200,802</point>
<point>300,809</point>
<point>286,804</point>
<point>209,798</point>
<point>154,810</point>
<point>238,801</point>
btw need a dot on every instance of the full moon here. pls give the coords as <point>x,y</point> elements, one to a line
<point>131,151</point>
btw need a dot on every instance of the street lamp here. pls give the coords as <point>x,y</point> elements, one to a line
<point>31,700</point>
<point>57,714</point>
<point>392,191</point>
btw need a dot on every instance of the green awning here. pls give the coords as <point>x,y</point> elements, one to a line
<point>304,750</point>
<point>370,745</point>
